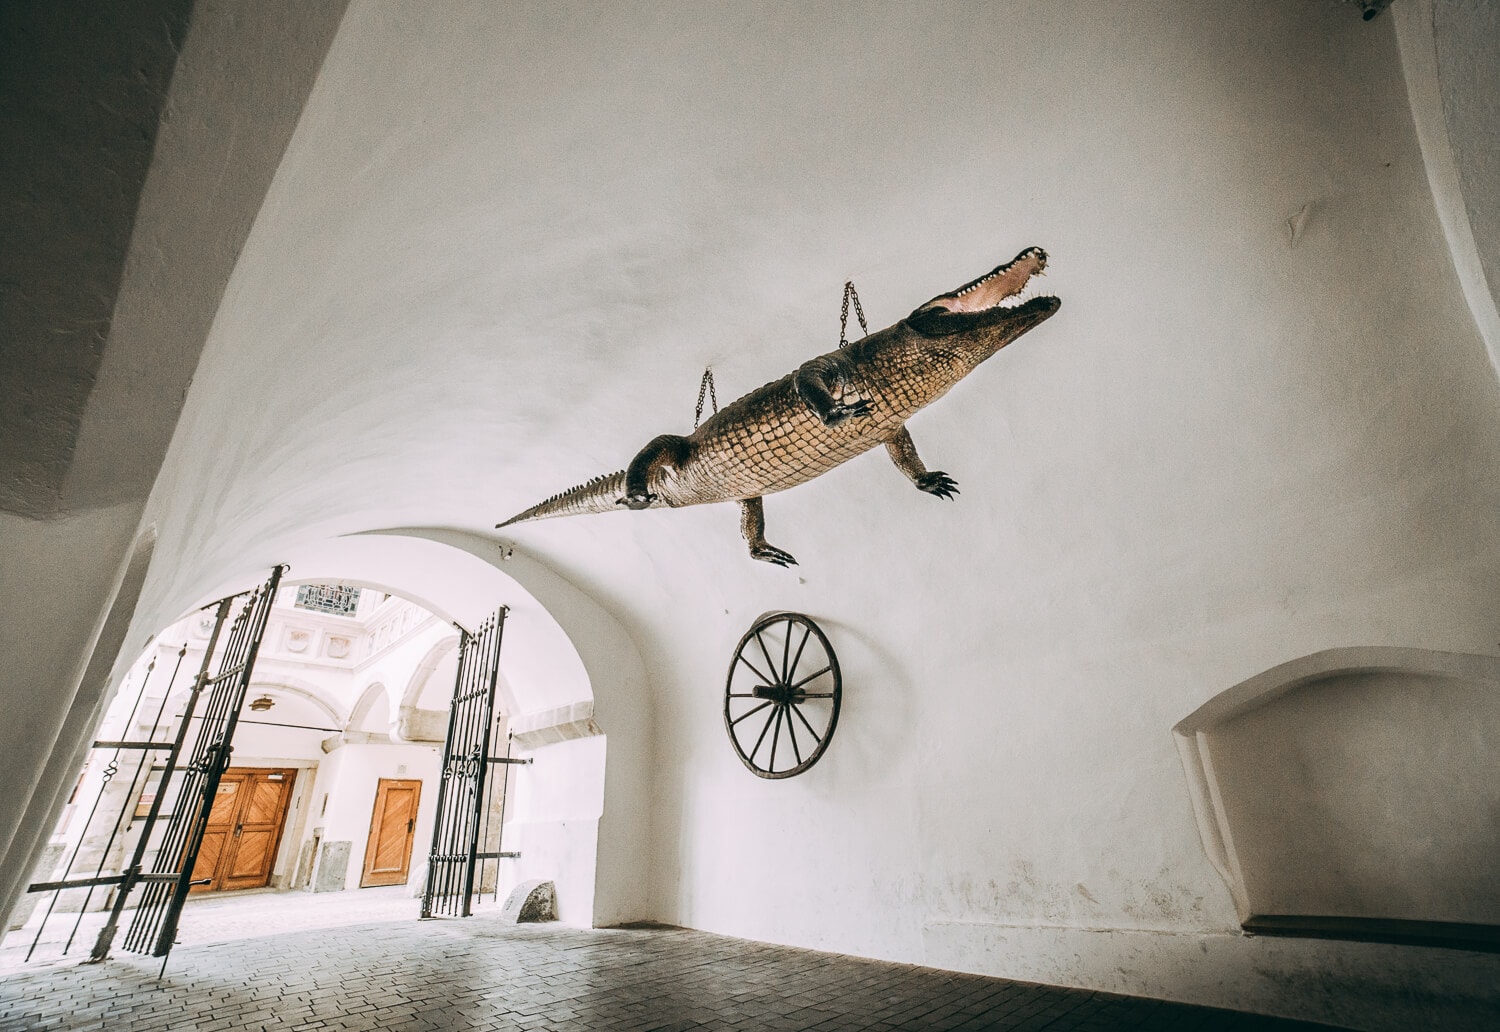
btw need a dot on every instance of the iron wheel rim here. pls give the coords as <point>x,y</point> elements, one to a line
<point>782,694</point>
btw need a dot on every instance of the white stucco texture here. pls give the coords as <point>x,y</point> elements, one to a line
<point>506,239</point>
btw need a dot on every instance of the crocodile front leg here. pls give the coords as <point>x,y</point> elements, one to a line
<point>664,450</point>
<point>904,455</point>
<point>753,526</point>
<point>815,381</point>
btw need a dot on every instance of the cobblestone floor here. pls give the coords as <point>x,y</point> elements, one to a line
<point>478,974</point>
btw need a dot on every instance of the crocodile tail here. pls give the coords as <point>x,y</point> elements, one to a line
<point>598,495</point>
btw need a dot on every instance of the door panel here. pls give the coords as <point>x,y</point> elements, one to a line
<point>264,803</point>
<point>392,825</point>
<point>220,828</point>
<point>258,832</point>
<point>249,866</point>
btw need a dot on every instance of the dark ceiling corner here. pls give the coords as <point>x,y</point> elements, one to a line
<point>82,91</point>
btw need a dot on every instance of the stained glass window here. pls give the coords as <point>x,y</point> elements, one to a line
<point>339,599</point>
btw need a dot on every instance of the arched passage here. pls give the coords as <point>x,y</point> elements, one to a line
<point>584,747</point>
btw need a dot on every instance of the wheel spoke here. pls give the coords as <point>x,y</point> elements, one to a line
<point>762,737</point>
<point>786,650</point>
<point>770,665</point>
<point>763,678</point>
<point>806,633</point>
<point>811,677</point>
<point>775,737</point>
<point>816,737</point>
<point>748,695</point>
<point>750,712</point>
<point>791,730</point>
<point>816,695</point>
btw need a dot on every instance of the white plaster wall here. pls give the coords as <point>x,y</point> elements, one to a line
<point>1263,424</point>
<point>552,819</point>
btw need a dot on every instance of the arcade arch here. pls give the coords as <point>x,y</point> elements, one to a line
<point>347,704</point>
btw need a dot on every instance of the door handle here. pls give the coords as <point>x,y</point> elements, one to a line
<point>237,829</point>
<point>410,824</point>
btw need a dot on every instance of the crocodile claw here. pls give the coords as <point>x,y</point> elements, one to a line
<point>938,483</point>
<point>772,554</point>
<point>842,411</point>
<point>637,500</point>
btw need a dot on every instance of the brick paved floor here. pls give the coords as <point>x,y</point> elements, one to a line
<point>447,975</point>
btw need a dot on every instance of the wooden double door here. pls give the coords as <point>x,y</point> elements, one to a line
<point>244,828</point>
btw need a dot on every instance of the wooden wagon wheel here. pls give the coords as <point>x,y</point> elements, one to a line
<point>781,699</point>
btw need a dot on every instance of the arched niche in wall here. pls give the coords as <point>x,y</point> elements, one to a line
<point>422,713</point>
<point>1353,793</point>
<point>372,712</point>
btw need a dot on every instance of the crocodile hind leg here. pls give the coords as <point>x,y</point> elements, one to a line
<point>904,455</point>
<point>668,449</point>
<point>753,526</point>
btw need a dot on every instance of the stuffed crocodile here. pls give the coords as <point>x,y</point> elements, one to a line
<point>834,407</point>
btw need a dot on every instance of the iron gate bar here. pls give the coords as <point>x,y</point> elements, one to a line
<point>463,802</point>
<point>213,759</point>
<point>156,898</point>
<point>154,926</point>
<point>131,745</point>
<point>110,770</point>
<point>439,854</point>
<point>75,883</point>
<point>126,803</point>
<point>133,869</point>
<point>485,719</point>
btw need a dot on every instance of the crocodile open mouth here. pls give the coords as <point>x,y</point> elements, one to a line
<point>1003,299</point>
<point>1009,286</point>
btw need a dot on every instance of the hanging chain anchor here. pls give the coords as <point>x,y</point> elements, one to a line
<point>706,389</point>
<point>859,310</point>
<point>706,386</point>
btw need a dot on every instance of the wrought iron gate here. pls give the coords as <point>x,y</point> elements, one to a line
<point>466,792</point>
<point>178,816</point>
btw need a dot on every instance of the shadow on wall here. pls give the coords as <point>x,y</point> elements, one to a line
<point>1352,794</point>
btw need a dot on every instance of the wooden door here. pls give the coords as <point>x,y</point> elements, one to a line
<point>392,825</point>
<point>244,828</point>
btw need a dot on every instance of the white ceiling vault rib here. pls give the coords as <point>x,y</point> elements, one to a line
<point>1463,90</point>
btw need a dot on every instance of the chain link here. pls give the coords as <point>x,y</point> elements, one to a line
<point>706,388</point>
<point>859,310</point>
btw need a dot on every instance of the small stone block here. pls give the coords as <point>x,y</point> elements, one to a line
<point>530,902</point>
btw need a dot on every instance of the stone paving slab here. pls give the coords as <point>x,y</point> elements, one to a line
<point>480,976</point>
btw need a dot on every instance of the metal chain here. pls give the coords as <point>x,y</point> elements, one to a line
<point>706,388</point>
<point>859,310</point>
